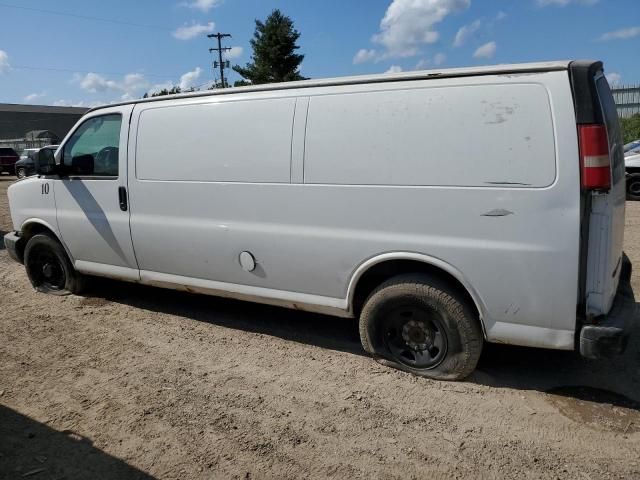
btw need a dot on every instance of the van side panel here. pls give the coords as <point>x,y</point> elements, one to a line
<point>232,141</point>
<point>432,136</point>
<point>516,245</point>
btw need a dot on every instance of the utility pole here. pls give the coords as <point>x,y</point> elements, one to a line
<point>220,63</point>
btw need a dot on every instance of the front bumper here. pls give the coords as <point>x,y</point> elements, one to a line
<point>610,334</point>
<point>11,240</point>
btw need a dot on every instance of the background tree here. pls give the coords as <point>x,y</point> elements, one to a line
<point>163,92</point>
<point>171,91</point>
<point>631,128</point>
<point>274,56</point>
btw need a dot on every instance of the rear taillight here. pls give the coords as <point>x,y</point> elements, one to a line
<point>594,157</point>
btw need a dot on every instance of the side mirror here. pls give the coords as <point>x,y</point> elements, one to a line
<point>45,162</point>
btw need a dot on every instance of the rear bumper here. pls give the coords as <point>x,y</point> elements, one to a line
<point>609,336</point>
<point>11,240</point>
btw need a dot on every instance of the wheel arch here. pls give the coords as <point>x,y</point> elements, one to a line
<point>34,226</point>
<point>380,268</point>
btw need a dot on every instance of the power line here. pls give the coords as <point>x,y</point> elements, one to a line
<point>84,17</point>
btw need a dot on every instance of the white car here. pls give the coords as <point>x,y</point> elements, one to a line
<point>632,167</point>
<point>632,148</point>
<point>355,197</point>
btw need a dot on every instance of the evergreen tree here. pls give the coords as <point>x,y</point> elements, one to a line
<point>164,91</point>
<point>274,52</point>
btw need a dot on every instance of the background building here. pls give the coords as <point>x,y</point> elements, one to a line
<point>627,99</point>
<point>33,126</point>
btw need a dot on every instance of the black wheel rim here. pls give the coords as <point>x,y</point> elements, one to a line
<point>46,269</point>
<point>21,173</point>
<point>415,336</point>
<point>634,188</point>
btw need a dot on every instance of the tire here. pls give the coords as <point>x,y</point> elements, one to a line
<point>418,324</point>
<point>48,267</point>
<point>21,172</point>
<point>633,186</point>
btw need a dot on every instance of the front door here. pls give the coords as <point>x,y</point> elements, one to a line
<point>91,202</point>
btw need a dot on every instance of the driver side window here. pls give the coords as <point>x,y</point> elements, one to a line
<point>93,148</point>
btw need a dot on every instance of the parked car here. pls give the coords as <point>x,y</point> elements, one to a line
<point>632,148</point>
<point>25,153</point>
<point>8,158</point>
<point>632,167</point>
<point>26,165</point>
<point>355,197</point>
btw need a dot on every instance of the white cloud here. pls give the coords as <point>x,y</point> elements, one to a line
<point>33,97</point>
<point>614,78</point>
<point>60,103</point>
<point>79,103</point>
<point>202,5</point>
<point>409,24</point>
<point>364,56</point>
<point>501,16</point>
<point>622,34</point>
<point>187,32</point>
<point>466,32</point>
<point>135,81</point>
<point>422,64</point>
<point>235,52</point>
<point>131,86</point>
<point>485,51</point>
<point>439,58</point>
<point>189,79</point>
<point>394,69</point>
<point>4,61</point>
<point>564,3</point>
<point>160,86</point>
<point>93,82</point>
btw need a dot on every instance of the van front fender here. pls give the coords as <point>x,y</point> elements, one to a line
<point>33,226</point>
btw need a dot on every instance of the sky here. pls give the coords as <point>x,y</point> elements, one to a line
<point>91,52</point>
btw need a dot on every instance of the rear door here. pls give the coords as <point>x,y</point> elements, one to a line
<point>607,212</point>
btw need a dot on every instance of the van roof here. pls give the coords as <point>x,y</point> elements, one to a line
<point>505,69</point>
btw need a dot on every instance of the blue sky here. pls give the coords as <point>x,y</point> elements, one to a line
<point>87,52</point>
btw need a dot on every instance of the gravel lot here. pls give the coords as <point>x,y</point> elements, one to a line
<point>137,382</point>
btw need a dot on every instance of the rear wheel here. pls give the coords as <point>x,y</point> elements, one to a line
<point>633,186</point>
<point>49,268</point>
<point>21,172</point>
<point>419,324</point>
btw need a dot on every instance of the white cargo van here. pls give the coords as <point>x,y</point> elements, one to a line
<point>444,208</point>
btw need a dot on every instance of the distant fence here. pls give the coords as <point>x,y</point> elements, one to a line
<point>19,144</point>
<point>627,98</point>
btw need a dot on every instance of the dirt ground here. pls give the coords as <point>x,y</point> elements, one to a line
<point>137,382</point>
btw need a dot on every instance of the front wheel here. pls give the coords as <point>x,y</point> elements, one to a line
<point>419,324</point>
<point>21,172</point>
<point>49,268</point>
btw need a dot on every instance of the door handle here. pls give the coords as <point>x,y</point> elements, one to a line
<point>122,197</point>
